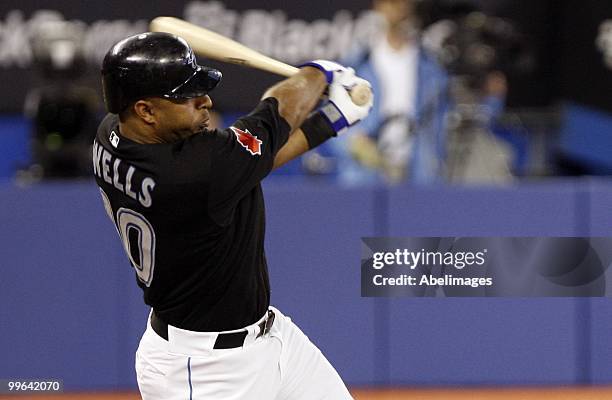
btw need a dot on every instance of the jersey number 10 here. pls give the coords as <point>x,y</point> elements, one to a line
<point>138,238</point>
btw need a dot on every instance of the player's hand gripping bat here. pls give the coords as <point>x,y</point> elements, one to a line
<point>218,47</point>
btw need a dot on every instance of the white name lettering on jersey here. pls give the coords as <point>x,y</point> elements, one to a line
<point>120,175</point>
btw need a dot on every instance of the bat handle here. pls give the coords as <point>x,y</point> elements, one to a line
<point>361,94</point>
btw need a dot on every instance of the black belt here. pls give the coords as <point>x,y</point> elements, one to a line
<point>224,340</point>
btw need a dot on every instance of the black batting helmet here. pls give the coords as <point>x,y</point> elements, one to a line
<point>153,64</point>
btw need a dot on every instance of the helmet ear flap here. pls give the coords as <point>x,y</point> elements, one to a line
<point>113,99</point>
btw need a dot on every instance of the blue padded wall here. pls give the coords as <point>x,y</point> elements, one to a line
<point>71,308</point>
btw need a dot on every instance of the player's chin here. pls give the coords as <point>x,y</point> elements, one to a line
<point>186,132</point>
<point>202,126</point>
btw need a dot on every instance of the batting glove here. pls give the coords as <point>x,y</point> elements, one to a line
<point>340,110</point>
<point>331,69</point>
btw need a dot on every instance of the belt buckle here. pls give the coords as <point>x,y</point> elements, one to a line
<point>269,321</point>
<point>265,327</point>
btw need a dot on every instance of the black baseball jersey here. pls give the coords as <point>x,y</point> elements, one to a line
<point>191,217</point>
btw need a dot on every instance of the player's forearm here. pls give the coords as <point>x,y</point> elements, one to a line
<point>314,131</point>
<point>295,147</point>
<point>298,95</point>
<point>331,119</point>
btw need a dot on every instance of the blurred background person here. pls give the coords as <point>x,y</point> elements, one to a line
<point>405,138</point>
<point>476,50</point>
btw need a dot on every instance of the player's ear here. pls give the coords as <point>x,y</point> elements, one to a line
<point>145,110</point>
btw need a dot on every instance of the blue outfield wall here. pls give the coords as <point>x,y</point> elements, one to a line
<point>599,339</point>
<point>586,136</point>
<point>70,307</point>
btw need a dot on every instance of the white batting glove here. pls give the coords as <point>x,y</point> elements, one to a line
<point>340,110</point>
<point>329,68</point>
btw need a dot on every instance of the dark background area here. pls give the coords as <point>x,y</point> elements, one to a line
<point>561,35</point>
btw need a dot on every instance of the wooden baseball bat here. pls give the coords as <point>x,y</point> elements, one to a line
<point>218,47</point>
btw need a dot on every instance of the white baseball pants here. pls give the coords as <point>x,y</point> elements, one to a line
<point>281,365</point>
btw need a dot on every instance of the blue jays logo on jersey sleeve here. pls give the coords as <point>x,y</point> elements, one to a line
<point>247,140</point>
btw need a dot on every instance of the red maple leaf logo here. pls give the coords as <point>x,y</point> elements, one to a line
<point>248,140</point>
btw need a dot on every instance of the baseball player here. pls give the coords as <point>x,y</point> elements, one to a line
<point>188,206</point>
